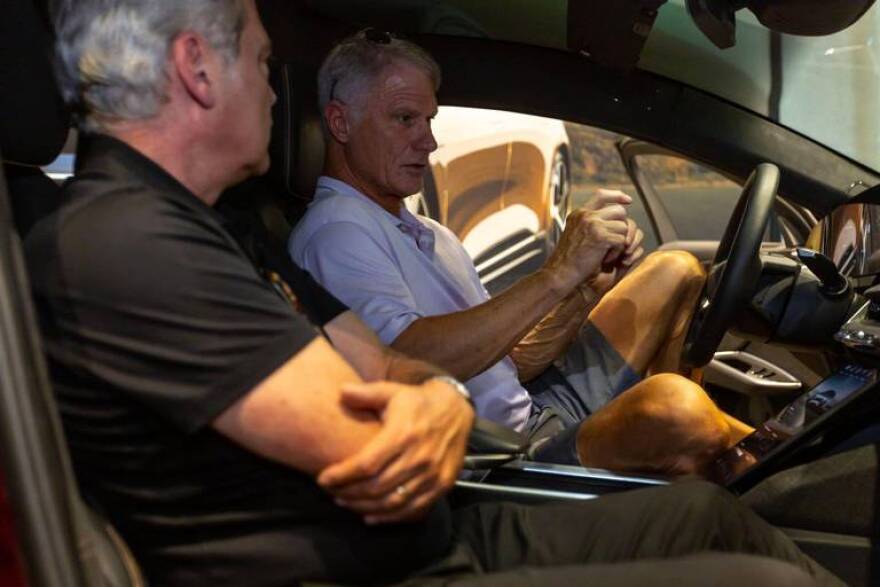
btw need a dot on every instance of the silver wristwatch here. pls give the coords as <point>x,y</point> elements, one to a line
<point>455,384</point>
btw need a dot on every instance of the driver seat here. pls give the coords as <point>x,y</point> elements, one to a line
<point>262,211</point>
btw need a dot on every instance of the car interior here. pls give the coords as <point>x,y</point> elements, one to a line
<point>811,468</point>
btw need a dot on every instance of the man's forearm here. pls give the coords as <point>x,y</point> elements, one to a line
<point>467,343</point>
<point>370,358</point>
<point>403,369</point>
<point>552,335</point>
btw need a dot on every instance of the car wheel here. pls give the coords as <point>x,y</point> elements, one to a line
<point>559,197</point>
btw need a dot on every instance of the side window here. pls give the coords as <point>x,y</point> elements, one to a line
<point>504,182</point>
<point>699,201</point>
<point>596,164</point>
<point>62,167</point>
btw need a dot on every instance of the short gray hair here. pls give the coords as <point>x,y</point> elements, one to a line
<point>352,66</point>
<point>111,55</point>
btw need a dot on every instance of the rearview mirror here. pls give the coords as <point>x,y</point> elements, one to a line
<point>715,18</point>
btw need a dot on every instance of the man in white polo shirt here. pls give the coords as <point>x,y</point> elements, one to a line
<point>410,279</point>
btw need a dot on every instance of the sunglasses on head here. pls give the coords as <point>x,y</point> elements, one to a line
<point>377,36</point>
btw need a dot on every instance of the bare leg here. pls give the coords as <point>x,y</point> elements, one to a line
<point>645,317</point>
<point>738,429</point>
<point>665,424</point>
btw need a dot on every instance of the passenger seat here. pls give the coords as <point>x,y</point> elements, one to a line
<point>33,127</point>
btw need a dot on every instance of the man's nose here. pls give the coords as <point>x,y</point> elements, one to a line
<point>428,142</point>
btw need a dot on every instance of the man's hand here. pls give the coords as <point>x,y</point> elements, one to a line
<point>592,233</point>
<point>632,250</point>
<point>618,262</point>
<point>412,461</point>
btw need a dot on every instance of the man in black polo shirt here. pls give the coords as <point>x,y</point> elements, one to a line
<point>210,418</point>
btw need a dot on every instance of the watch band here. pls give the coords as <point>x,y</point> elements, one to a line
<point>455,384</point>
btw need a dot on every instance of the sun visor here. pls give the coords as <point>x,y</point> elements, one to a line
<point>611,33</point>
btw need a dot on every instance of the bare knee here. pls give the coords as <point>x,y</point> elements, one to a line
<point>679,265</point>
<point>665,424</point>
<point>686,420</point>
<point>755,570</point>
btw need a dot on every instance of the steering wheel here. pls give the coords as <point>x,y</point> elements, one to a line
<point>736,268</point>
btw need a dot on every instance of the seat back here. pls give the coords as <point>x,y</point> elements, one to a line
<point>64,541</point>
<point>264,210</point>
<point>297,144</point>
<point>34,122</point>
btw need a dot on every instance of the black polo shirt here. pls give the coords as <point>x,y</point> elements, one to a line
<point>154,322</point>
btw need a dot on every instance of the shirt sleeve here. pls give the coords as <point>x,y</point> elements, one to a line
<point>163,308</point>
<point>356,268</point>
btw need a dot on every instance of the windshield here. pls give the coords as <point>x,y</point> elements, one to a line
<point>824,87</point>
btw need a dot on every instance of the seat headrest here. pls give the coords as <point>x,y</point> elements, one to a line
<point>297,144</point>
<point>33,119</point>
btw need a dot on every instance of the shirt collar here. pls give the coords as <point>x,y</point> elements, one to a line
<point>103,154</point>
<point>106,156</point>
<point>407,222</point>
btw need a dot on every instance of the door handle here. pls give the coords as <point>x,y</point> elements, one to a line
<point>746,373</point>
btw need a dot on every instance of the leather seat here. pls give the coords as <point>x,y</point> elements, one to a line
<point>34,122</point>
<point>297,144</point>
<point>269,207</point>
<point>33,127</point>
<point>262,211</point>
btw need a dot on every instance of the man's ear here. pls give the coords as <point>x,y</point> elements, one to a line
<point>337,121</point>
<point>191,60</point>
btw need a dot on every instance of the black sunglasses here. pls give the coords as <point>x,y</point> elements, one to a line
<point>378,37</point>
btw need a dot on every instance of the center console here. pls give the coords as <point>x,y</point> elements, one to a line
<point>848,394</point>
<point>850,389</point>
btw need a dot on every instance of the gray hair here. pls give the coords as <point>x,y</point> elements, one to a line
<point>111,55</point>
<point>352,66</point>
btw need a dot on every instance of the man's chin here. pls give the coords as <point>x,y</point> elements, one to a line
<point>410,189</point>
<point>261,167</point>
<point>249,170</point>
